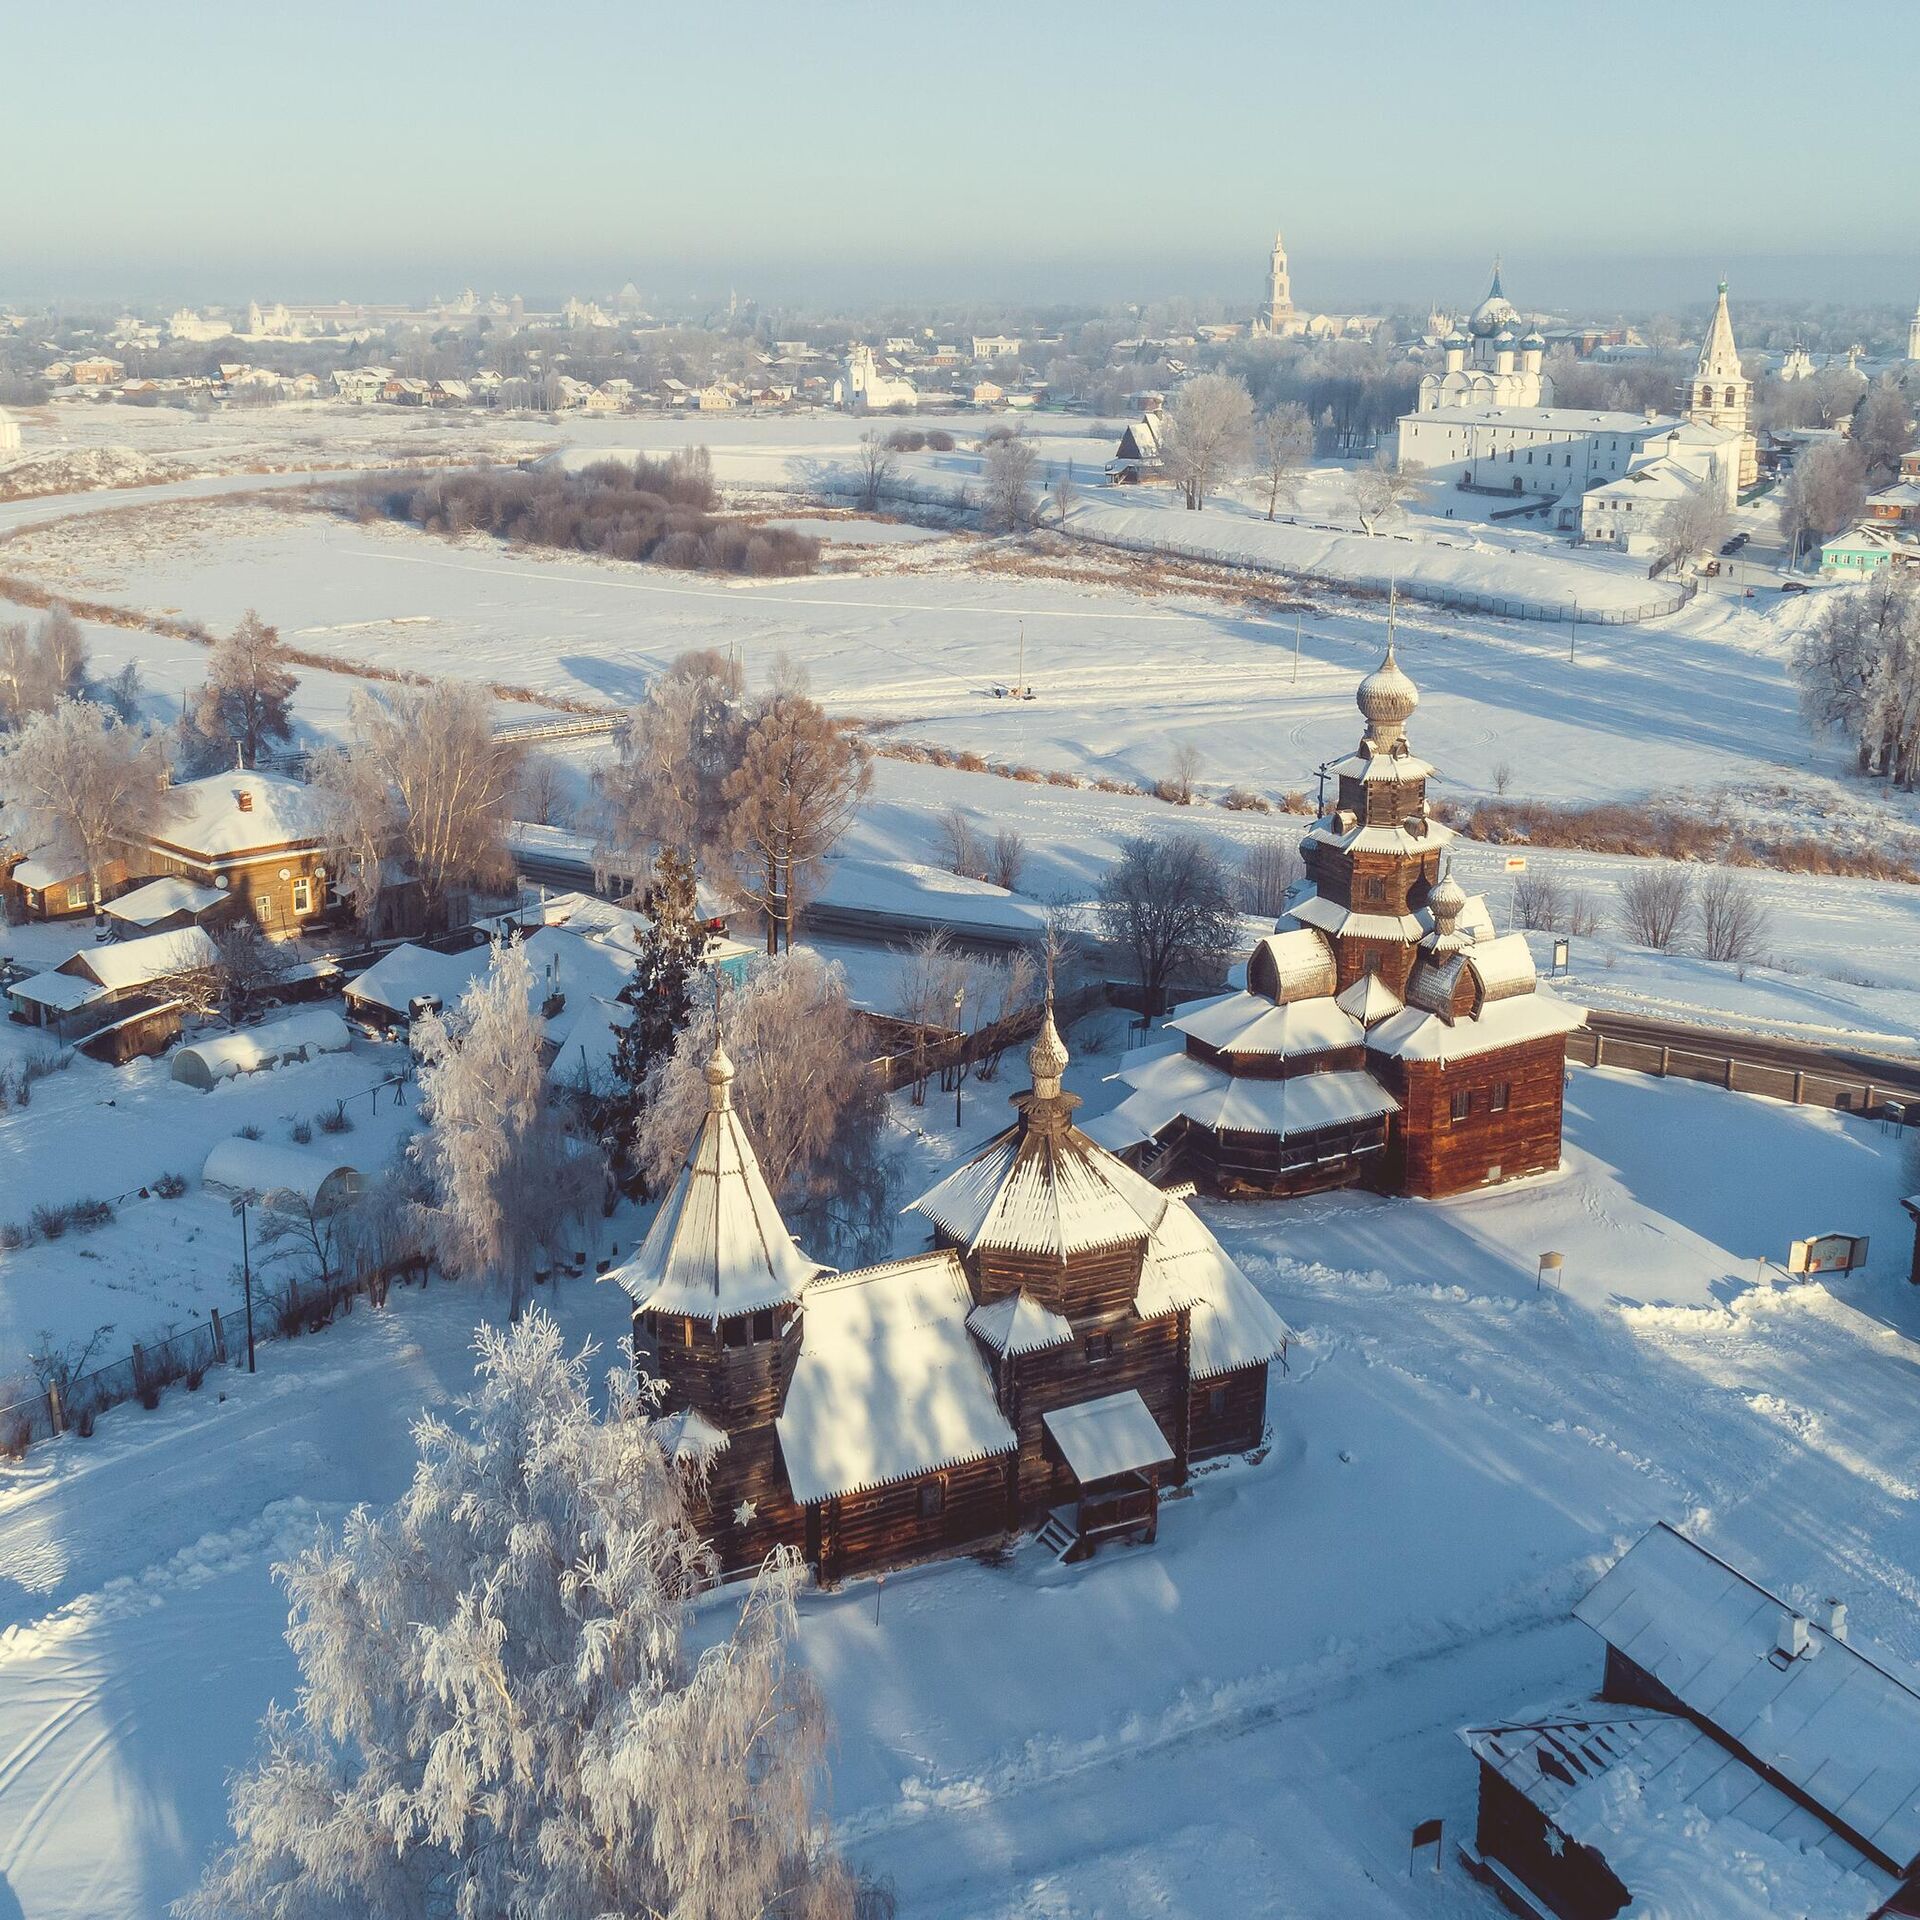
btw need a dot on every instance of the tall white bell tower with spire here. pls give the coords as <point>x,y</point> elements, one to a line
<point>1719,394</point>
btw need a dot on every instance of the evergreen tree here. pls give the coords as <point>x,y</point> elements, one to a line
<point>671,944</point>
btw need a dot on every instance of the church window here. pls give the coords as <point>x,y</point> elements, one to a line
<point>1462,1106</point>
<point>763,1324</point>
<point>933,1498</point>
<point>1099,1348</point>
<point>735,1332</point>
<point>1502,1093</point>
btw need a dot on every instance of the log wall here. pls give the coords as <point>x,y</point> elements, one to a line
<point>1227,1414</point>
<point>858,1532</point>
<point>1434,1155</point>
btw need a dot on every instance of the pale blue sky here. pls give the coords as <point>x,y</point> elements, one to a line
<point>1117,150</point>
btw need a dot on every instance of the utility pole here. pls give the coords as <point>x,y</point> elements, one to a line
<point>246,1271</point>
<point>1020,685</point>
<point>960,1065</point>
<point>1571,625</point>
<point>1296,646</point>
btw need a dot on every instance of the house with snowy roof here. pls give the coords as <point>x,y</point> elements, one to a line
<point>1073,1339</point>
<point>1740,1757</point>
<point>1387,1036</point>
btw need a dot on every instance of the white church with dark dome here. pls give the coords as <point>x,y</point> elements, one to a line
<point>1492,361</point>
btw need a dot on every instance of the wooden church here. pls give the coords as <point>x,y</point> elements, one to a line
<point>1387,1036</point>
<point>1073,1339</point>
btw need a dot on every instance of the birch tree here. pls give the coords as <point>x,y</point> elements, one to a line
<point>501,1709</point>
<point>242,710</point>
<point>427,783</point>
<point>77,783</point>
<point>40,666</point>
<point>506,1176</point>
<point>1693,524</point>
<point>676,749</point>
<point>1007,484</point>
<point>1378,488</point>
<point>801,778</point>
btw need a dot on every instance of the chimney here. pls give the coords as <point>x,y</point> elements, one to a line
<point>1793,1638</point>
<point>245,798</point>
<point>1837,1619</point>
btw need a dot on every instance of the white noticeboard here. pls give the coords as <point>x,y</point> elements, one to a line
<point>1828,1253</point>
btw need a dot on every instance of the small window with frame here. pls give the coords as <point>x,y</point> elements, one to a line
<point>1462,1106</point>
<point>763,1324</point>
<point>933,1499</point>
<point>1099,1348</point>
<point>1501,1097</point>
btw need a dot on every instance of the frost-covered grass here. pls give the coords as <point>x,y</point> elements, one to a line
<point>1247,1717</point>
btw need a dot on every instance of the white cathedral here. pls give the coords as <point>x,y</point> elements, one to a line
<point>1490,362</point>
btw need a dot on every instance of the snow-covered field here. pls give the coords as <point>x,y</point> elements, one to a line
<point>1247,1717</point>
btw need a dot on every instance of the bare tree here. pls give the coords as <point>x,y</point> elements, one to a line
<point>506,1176</point>
<point>1377,489</point>
<point>1066,496</point>
<point>1009,857</point>
<point>1539,902</point>
<point>1269,871</point>
<point>79,783</point>
<point>1656,904</point>
<point>1282,441</point>
<point>1007,484</point>
<point>542,794</point>
<point>1733,923</point>
<point>1000,987</point>
<point>960,846</point>
<point>816,1113</point>
<point>240,978</point>
<point>678,747</point>
<point>1823,494</point>
<point>1167,903</point>
<point>243,708</point>
<point>427,782</point>
<point>1205,435</point>
<point>1178,785</point>
<point>875,464</point>
<point>801,778</point>
<point>933,977</point>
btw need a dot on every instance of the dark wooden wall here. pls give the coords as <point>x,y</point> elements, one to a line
<point>1434,1155</point>
<point>1577,1883</point>
<point>858,1532</point>
<point>1236,1424</point>
<point>1100,1281</point>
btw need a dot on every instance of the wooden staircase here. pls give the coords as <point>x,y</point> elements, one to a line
<point>1058,1536</point>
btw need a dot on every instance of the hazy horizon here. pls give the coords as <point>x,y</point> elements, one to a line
<point>1085,155</point>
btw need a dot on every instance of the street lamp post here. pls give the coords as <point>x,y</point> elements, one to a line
<point>246,1269</point>
<point>960,1065</point>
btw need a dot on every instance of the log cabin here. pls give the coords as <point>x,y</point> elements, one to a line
<point>1386,1037</point>
<point>1070,1343</point>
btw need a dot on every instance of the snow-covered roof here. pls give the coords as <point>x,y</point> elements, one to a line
<point>161,899</point>
<point>718,1246</point>
<point>1668,1807</point>
<point>1417,1035</point>
<point>889,1384</point>
<point>207,817</point>
<point>578,966</point>
<point>1393,840</point>
<point>410,973</point>
<point>1300,961</point>
<point>63,992</point>
<point>1017,1323</point>
<point>1037,1192</point>
<point>40,874</point>
<point>584,1046</point>
<point>1389,767</point>
<point>1173,1084</point>
<point>1311,910</point>
<point>1504,967</point>
<point>123,965</point>
<point>1369,1000</point>
<point>320,1030</point>
<point>1231,1326</point>
<point>1832,1722</point>
<point>274,1172</point>
<point>1249,1023</point>
<point>689,1436</point>
<point>1102,1438</point>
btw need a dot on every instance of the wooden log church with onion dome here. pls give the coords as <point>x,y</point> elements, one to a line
<point>1069,1344</point>
<point>1387,1035</point>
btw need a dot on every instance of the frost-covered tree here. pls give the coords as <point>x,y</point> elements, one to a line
<point>1205,434</point>
<point>805,1089</point>
<point>1823,493</point>
<point>506,1175</point>
<point>238,979</point>
<point>1006,488</point>
<point>242,710</point>
<point>1378,488</point>
<point>40,666</point>
<point>874,463</point>
<point>801,777</point>
<point>501,1714</point>
<point>1857,666</point>
<point>78,782</point>
<point>426,783</point>
<point>1693,524</point>
<point>664,787</point>
<point>1883,426</point>
<point>1282,441</point>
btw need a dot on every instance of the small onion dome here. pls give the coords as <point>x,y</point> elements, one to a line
<point>1047,1057</point>
<point>1535,338</point>
<point>1447,902</point>
<point>1456,338</point>
<point>719,1080</point>
<point>1386,698</point>
<point>1504,338</point>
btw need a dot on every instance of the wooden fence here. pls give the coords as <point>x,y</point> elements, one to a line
<point>1699,1060</point>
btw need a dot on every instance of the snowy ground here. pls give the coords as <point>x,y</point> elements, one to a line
<point>1246,1718</point>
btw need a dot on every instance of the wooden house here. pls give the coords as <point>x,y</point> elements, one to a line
<point>1738,1756</point>
<point>45,887</point>
<point>1074,1339</point>
<point>105,985</point>
<point>1140,452</point>
<point>1387,1036</point>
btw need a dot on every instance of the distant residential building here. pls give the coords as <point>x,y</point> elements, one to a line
<point>98,371</point>
<point>9,432</point>
<point>713,399</point>
<point>1140,451</point>
<point>996,346</point>
<point>986,394</point>
<point>1899,503</point>
<point>1867,548</point>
